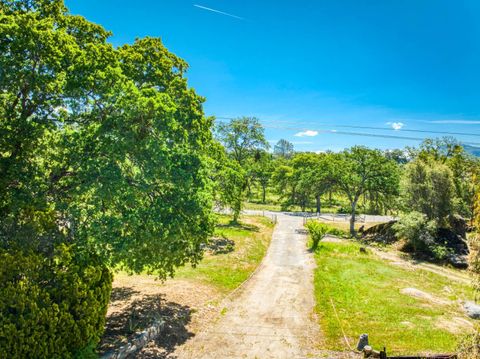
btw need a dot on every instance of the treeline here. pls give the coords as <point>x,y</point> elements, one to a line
<point>435,179</point>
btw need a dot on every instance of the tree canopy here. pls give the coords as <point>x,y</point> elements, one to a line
<point>106,148</point>
<point>242,137</point>
<point>361,170</point>
<point>283,148</point>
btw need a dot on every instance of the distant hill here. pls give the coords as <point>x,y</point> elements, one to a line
<point>474,150</point>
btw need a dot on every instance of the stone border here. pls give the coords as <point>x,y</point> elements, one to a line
<point>137,343</point>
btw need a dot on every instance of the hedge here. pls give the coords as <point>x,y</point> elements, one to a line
<point>52,307</point>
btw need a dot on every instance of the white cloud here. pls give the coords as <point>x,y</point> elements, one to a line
<point>396,125</point>
<point>307,133</point>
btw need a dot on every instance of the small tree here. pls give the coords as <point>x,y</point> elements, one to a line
<point>283,183</point>
<point>232,187</point>
<point>262,169</point>
<point>427,187</point>
<point>283,149</point>
<point>417,230</point>
<point>320,177</point>
<point>360,170</point>
<point>242,137</point>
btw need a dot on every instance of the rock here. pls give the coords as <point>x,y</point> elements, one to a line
<point>472,309</point>
<point>362,342</point>
<point>453,241</point>
<point>382,233</point>
<point>458,225</point>
<point>458,261</point>
<point>417,293</point>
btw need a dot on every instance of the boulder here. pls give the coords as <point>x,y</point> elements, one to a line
<point>458,225</point>
<point>453,241</point>
<point>472,309</point>
<point>383,233</point>
<point>458,261</point>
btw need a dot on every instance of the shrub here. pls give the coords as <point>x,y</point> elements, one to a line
<point>318,230</point>
<point>52,307</point>
<point>418,231</point>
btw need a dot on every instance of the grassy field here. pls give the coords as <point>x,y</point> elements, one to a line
<point>227,271</point>
<point>365,291</point>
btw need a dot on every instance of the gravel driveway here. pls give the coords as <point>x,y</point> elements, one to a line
<point>271,315</point>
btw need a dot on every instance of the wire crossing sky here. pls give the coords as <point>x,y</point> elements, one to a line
<point>407,65</point>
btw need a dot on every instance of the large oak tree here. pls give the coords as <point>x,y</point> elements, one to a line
<point>102,147</point>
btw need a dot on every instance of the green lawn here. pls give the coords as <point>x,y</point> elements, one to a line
<point>227,271</point>
<point>366,293</point>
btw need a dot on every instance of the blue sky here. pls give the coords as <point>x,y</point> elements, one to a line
<point>305,66</point>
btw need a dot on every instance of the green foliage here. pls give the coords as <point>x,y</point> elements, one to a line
<point>52,308</point>
<point>231,187</point>
<point>103,150</point>
<point>108,144</point>
<point>318,230</point>
<point>474,242</point>
<point>469,347</point>
<point>262,168</point>
<point>242,137</point>
<point>419,232</point>
<point>427,187</point>
<point>464,167</point>
<point>283,149</point>
<point>244,141</point>
<point>361,170</point>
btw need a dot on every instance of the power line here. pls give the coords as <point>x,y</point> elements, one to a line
<point>365,134</point>
<point>371,128</point>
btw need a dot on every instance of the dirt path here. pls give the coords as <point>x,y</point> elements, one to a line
<point>394,258</point>
<point>272,315</point>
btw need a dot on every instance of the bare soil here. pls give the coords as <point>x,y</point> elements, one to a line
<point>396,259</point>
<point>138,300</point>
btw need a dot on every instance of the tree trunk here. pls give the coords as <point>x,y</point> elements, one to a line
<point>236,214</point>
<point>352,219</point>
<point>264,190</point>
<point>319,205</point>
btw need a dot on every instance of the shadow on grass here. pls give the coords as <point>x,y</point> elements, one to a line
<point>239,225</point>
<point>123,325</point>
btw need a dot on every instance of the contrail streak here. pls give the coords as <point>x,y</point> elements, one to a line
<point>218,12</point>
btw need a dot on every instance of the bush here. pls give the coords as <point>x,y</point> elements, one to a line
<point>318,230</point>
<point>52,307</point>
<point>420,233</point>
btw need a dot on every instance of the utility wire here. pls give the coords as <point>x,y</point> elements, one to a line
<point>364,134</point>
<point>369,127</point>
